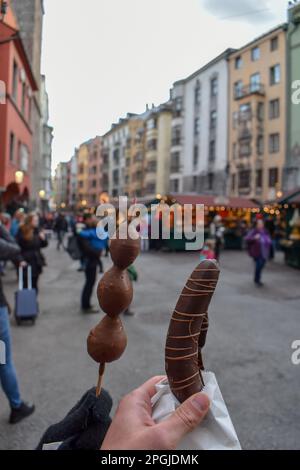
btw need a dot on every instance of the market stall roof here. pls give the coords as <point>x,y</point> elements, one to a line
<point>290,197</point>
<point>215,201</point>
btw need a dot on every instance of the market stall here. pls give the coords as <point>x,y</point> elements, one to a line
<point>236,215</point>
<point>290,202</point>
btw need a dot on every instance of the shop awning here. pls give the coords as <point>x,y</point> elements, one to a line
<point>290,197</point>
<point>215,201</point>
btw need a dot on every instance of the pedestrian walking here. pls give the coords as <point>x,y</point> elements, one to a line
<point>208,250</point>
<point>31,240</point>
<point>259,243</point>
<point>17,220</point>
<point>61,228</point>
<point>217,233</point>
<point>9,250</point>
<point>91,248</point>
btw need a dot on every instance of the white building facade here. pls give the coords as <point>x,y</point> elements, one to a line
<point>199,144</point>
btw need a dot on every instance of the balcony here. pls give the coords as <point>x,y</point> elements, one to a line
<point>248,90</point>
<point>176,141</point>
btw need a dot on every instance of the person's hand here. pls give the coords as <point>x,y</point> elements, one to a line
<point>257,236</point>
<point>134,429</point>
<point>23,264</point>
<point>42,236</point>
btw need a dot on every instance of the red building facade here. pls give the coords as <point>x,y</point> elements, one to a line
<point>15,116</point>
<point>95,186</point>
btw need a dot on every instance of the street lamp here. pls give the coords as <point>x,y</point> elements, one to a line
<point>42,194</point>
<point>19,177</point>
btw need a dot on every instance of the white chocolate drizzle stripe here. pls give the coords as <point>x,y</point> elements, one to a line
<point>184,337</point>
<point>182,358</point>
<point>186,380</point>
<point>190,314</point>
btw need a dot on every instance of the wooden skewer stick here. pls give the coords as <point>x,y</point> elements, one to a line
<point>100,378</point>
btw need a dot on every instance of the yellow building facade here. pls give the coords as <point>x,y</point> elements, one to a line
<point>83,175</point>
<point>257,123</point>
<point>158,125</point>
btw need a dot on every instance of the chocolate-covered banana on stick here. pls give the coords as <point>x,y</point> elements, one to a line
<point>107,341</point>
<point>187,331</point>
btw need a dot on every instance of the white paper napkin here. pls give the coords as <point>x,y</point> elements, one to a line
<point>216,432</point>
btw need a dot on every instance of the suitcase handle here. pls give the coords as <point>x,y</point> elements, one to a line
<point>29,277</point>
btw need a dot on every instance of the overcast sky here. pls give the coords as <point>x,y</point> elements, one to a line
<point>104,58</point>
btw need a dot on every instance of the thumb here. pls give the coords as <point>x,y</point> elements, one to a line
<point>186,418</point>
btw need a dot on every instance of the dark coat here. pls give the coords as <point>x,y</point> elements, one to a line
<point>31,252</point>
<point>90,254</point>
<point>9,250</point>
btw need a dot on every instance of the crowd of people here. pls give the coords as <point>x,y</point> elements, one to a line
<point>23,237</point>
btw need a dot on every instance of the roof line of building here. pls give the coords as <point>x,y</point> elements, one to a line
<point>228,52</point>
<point>282,26</point>
<point>221,56</point>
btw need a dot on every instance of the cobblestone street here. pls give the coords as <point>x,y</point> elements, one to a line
<point>248,347</point>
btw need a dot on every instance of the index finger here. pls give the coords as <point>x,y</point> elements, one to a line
<point>148,388</point>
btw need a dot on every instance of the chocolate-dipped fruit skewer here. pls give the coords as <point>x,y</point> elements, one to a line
<point>187,331</point>
<point>107,341</point>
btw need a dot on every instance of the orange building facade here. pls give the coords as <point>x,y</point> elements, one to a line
<point>18,85</point>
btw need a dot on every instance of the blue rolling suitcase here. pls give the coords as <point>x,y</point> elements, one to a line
<point>26,304</point>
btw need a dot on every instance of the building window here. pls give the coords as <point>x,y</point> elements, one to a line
<point>151,124</point>
<point>234,150</point>
<point>152,144</point>
<point>260,145</point>
<point>175,186</point>
<point>150,189</point>
<point>94,183</point>
<point>176,135</point>
<point>80,184</point>
<point>195,156</point>
<point>23,98</point>
<point>255,54</point>
<point>259,179</point>
<point>212,151</point>
<point>274,143</point>
<point>238,89</point>
<point>245,148</point>
<point>238,63</point>
<point>178,106</point>
<point>274,109</point>
<point>214,87</point>
<point>15,81</point>
<point>151,167</point>
<point>255,82</point>
<point>213,119</point>
<point>197,93</point>
<point>244,179</point>
<point>23,157</point>
<point>12,147</point>
<point>233,182</point>
<point>138,157</point>
<point>116,156</point>
<point>261,111</point>
<point>210,181</point>
<point>196,126</point>
<point>274,44</point>
<point>116,177</point>
<point>273,177</point>
<point>275,74</point>
<point>175,162</point>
